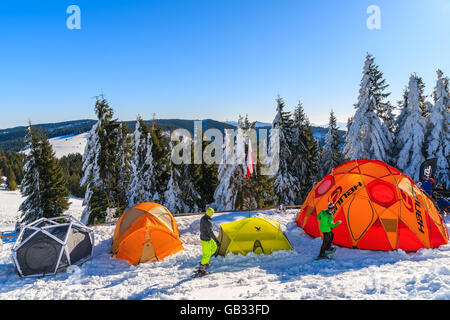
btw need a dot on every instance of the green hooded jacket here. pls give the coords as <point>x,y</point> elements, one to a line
<point>326,220</point>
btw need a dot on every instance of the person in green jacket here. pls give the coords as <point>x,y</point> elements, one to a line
<point>326,226</point>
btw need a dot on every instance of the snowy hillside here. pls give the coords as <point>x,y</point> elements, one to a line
<point>258,124</point>
<point>353,274</point>
<point>340,125</point>
<point>65,145</point>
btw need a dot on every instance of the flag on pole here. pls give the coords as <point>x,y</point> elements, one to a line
<point>250,163</point>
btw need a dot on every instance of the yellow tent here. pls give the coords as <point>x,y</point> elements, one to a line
<point>258,235</point>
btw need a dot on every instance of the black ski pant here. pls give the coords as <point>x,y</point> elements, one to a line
<point>326,244</point>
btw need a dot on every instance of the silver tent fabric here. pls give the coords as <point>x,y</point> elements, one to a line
<point>47,246</point>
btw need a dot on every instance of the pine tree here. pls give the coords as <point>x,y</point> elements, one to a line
<point>223,196</point>
<point>141,179</point>
<point>100,163</point>
<point>331,153</point>
<point>313,175</point>
<point>303,164</point>
<point>182,194</point>
<point>123,168</point>
<point>286,185</point>
<point>161,166</point>
<point>191,195</point>
<point>249,193</point>
<point>322,172</point>
<point>368,137</point>
<point>54,194</point>
<point>174,195</point>
<point>439,135</point>
<point>205,181</point>
<point>411,133</point>
<point>234,190</point>
<point>31,208</point>
<point>43,184</point>
<point>10,179</point>
<point>398,124</point>
<point>262,186</point>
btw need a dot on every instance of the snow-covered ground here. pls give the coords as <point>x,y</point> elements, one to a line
<point>65,145</point>
<point>352,274</point>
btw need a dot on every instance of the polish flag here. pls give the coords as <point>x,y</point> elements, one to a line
<point>250,163</point>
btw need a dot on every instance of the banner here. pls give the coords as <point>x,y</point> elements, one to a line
<point>428,169</point>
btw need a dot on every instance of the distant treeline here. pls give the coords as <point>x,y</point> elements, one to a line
<point>14,139</point>
<point>11,166</point>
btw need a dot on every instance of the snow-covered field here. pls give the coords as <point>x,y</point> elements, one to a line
<point>352,274</point>
<point>65,145</point>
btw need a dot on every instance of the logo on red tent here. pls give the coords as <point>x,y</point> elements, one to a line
<point>348,193</point>
<point>335,194</point>
<point>407,200</point>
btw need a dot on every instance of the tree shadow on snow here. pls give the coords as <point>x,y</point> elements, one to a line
<point>101,264</point>
<point>289,265</point>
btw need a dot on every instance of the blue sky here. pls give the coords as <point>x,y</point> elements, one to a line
<point>210,59</point>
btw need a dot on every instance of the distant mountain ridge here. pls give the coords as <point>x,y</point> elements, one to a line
<point>13,139</point>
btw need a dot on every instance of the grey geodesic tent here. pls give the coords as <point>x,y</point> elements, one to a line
<point>47,246</point>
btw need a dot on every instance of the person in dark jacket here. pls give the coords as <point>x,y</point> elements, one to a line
<point>209,241</point>
<point>427,186</point>
<point>441,203</point>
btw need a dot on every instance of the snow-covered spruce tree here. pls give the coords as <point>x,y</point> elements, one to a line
<point>124,166</point>
<point>223,197</point>
<point>384,109</point>
<point>100,162</point>
<point>261,183</point>
<point>234,190</point>
<point>54,194</point>
<point>31,208</point>
<point>331,153</point>
<point>141,178</point>
<point>320,171</point>
<point>181,194</point>
<point>205,181</point>
<point>174,195</point>
<point>368,137</point>
<point>398,124</point>
<point>411,133</point>
<point>262,187</point>
<point>287,186</point>
<point>314,158</point>
<point>304,155</point>
<point>192,196</point>
<point>161,167</point>
<point>438,139</point>
<point>256,191</point>
<point>43,185</point>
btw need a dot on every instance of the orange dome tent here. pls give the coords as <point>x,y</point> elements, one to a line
<point>380,209</point>
<point>146,232</point>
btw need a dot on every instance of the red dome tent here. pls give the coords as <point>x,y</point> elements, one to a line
<point>380,209</point>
